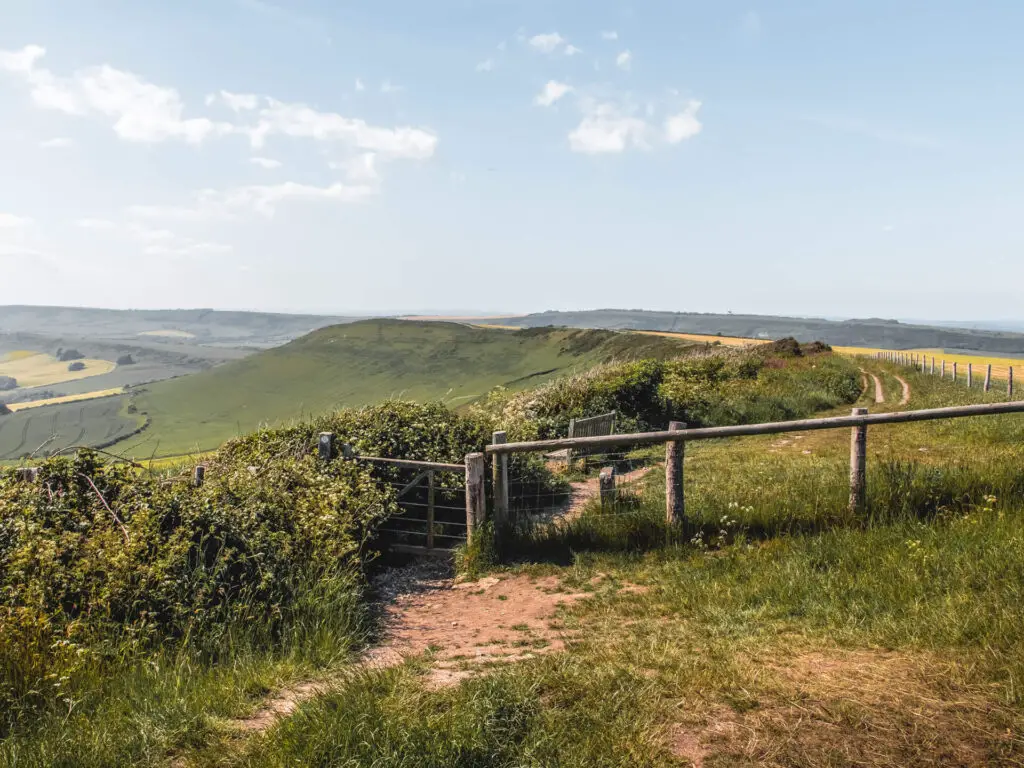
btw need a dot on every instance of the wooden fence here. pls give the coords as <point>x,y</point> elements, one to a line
<point>986,373</point>
<point>676,437</point>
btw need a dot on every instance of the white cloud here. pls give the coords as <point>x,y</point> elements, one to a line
<point>750,24</point>
<point>502,45</point>
<point>572,50</point>
<point>236,102</point>
<point>141,111</point>
<point>98,224</point>
<point>605,128</point>
<point>388,87</point>
<point>57,143</point>
<point>548,43</point>
<point>301,121</point>
<point>361,168</point>
<point>551,93</point>
<point>10,221</point>
<point>265,199</point>
<point>610,35</point>
<point>265,162</point>
<point>360,85</point>
<point>485,66</point>
<point>259,198</point>
<point>624,60</point>
<point>683,125</point>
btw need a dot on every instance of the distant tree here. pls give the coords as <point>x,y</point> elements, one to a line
<point>4,410</point>
<point>8,382</point>
<point>64,355</point>
<point>76,366</point>
<point>125,360</point>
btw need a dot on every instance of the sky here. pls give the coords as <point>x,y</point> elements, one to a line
<point>791,157</point>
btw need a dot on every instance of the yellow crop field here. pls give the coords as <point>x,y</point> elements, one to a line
<point>170,333</point>
<point>727,341</point>
<point>1000,365</point>
<point>40,370</point>
<point>18,354</point>
<point>65,399</point>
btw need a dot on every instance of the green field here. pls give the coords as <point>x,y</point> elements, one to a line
<point>366,362</point>
<point>52,428</point>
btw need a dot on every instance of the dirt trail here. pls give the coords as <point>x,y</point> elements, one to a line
<point>464,627</point>
<point>879,390</point>
<point>906,390</point>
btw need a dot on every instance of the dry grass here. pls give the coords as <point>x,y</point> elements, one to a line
<point>65,399</point>
<point>726,341</point>
<point>40,370</point>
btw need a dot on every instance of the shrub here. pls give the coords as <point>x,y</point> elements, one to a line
<point>78,366</point>
<point>125,360</point>
<point>67,355</point>
<point>8,383</point>
<point>4,410</point>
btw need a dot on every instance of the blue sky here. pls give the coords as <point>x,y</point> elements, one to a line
<point>810,158</point>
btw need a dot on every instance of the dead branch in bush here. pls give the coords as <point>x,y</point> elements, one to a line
<point>113,514</point>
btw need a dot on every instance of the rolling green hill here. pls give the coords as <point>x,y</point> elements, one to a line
<point>365,362</point>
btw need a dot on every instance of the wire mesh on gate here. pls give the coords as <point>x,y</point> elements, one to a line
<point>562,486</point>
<point>431,507</point>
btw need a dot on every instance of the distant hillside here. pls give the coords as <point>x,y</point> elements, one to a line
<point>365,362</point>
<point>196,325</point>
<point>887,334</point>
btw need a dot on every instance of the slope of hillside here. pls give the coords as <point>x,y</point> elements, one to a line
<point>365,362</point>
<point>872,332</point>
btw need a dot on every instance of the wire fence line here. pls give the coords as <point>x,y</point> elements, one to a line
<point>985,375</point>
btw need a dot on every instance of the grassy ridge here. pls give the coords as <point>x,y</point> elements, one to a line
<point>363,363</point>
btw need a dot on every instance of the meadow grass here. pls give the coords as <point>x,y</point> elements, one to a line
<point>39,370</point>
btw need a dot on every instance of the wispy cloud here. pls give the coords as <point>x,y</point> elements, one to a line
<point>572,50</point>
<point>552,92</point>
<point>547,42</point>
<point>266,162</point>
<point>624,61</point>
<point>750,24</point>
<point>612,127</point>
<point>610,35</point>
<point>11,221</point>
<point>875,131</point>
<point>388,87</point>
<point>59,142</point>
<point>486,65</point>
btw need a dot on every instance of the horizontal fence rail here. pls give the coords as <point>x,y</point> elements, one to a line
<point>770,428</point>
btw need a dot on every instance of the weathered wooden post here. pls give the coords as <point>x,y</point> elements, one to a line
<point>26,474</point>
<point>198,475</point>
<point>988,377</point>
<point>933,365</point>
<point>326,446</point>
<point>500,470</point>
<point>970,375</point>
<point>1009,385</point>
<point>568,451</point>
<point>943,369</point>
<point>606,478</point>
<point>430,510</point>
<point>956,372</point>
<point>675,500</point>
<point>476,502</point>
<point>858,466</point>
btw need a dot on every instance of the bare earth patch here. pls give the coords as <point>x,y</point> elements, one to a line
<point>866,708</point>
<point>470,626</point>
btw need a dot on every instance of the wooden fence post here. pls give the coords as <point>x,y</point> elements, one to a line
<point>1009,385</point>
<point>26,474</point>
<point>675,500</point>
<point>988,377</point>
<point>500,470</point>
<point>607,485</point>
<point>943,369</point>
<point>858,466</point>
<point>430,510</point>
<point>198,475</point>
<point>325,446</point>
<point>970,375</point>
<point>476,502</point>
<point>933,365</point>
<point>956,371</point>
<point>568,451</point>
